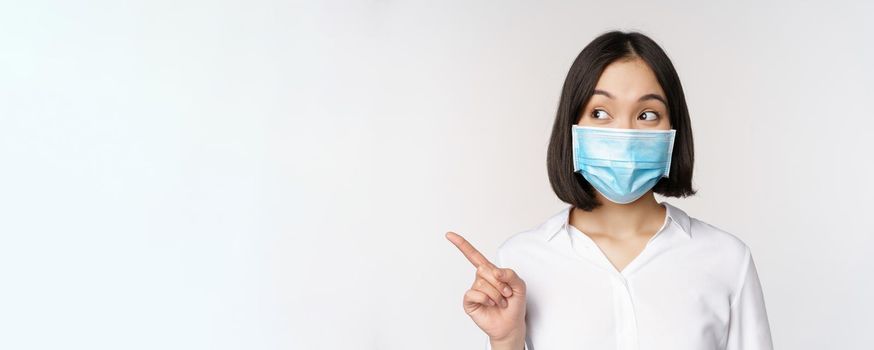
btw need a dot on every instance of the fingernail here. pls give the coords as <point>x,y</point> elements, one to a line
<point>507,291</point>
<point>504,302</point>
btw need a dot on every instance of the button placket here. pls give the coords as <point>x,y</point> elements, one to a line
<point>623,306</point>
<point>626,320</point>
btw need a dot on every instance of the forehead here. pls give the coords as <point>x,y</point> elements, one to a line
<point>629,79</point>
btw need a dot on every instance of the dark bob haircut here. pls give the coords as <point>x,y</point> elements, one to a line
<point>579,85</point>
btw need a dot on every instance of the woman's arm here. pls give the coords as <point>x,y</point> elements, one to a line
<point>748,325</point>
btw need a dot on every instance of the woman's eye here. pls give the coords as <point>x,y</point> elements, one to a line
<point>598,113</point>
<point>650,115</point>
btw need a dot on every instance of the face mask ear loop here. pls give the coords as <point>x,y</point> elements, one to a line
<point>670,154</point>
<point>574,147</point>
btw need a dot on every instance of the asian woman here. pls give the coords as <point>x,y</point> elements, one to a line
<point>615,268</point>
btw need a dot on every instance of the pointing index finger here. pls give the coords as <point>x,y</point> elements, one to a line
<point>473,255</point>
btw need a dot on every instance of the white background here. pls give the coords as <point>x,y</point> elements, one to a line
<point>280,175</point>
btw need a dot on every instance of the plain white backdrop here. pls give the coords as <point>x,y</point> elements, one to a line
<point>280,175</point>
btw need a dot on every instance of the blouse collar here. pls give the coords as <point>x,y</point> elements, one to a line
<point>560,221</point>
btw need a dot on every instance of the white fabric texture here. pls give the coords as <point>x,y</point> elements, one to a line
<point>692,287</point>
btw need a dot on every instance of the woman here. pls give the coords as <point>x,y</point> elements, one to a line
<point>616,269</point>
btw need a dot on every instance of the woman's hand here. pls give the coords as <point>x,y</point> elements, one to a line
<point>496,301</point>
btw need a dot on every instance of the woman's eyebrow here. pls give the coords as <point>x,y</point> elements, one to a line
<point>641,99</point>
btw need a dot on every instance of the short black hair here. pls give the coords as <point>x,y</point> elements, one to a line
<point>579,85</point>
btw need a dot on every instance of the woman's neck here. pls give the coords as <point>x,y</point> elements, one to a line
<point>620,221</point>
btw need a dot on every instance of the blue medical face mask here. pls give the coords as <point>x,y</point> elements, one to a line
<point>622,164</point>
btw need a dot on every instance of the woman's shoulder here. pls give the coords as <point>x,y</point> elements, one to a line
<point>710,235</point>
<point>704,233</point>
<point>717,248</point>
<point>534,238</point>
<point>520,241</point>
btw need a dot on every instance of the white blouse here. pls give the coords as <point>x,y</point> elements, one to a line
<point>693,287</point>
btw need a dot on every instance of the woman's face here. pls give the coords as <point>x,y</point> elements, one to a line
<point>627,96</point>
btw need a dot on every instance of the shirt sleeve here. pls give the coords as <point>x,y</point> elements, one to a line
<point>748,321</point>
